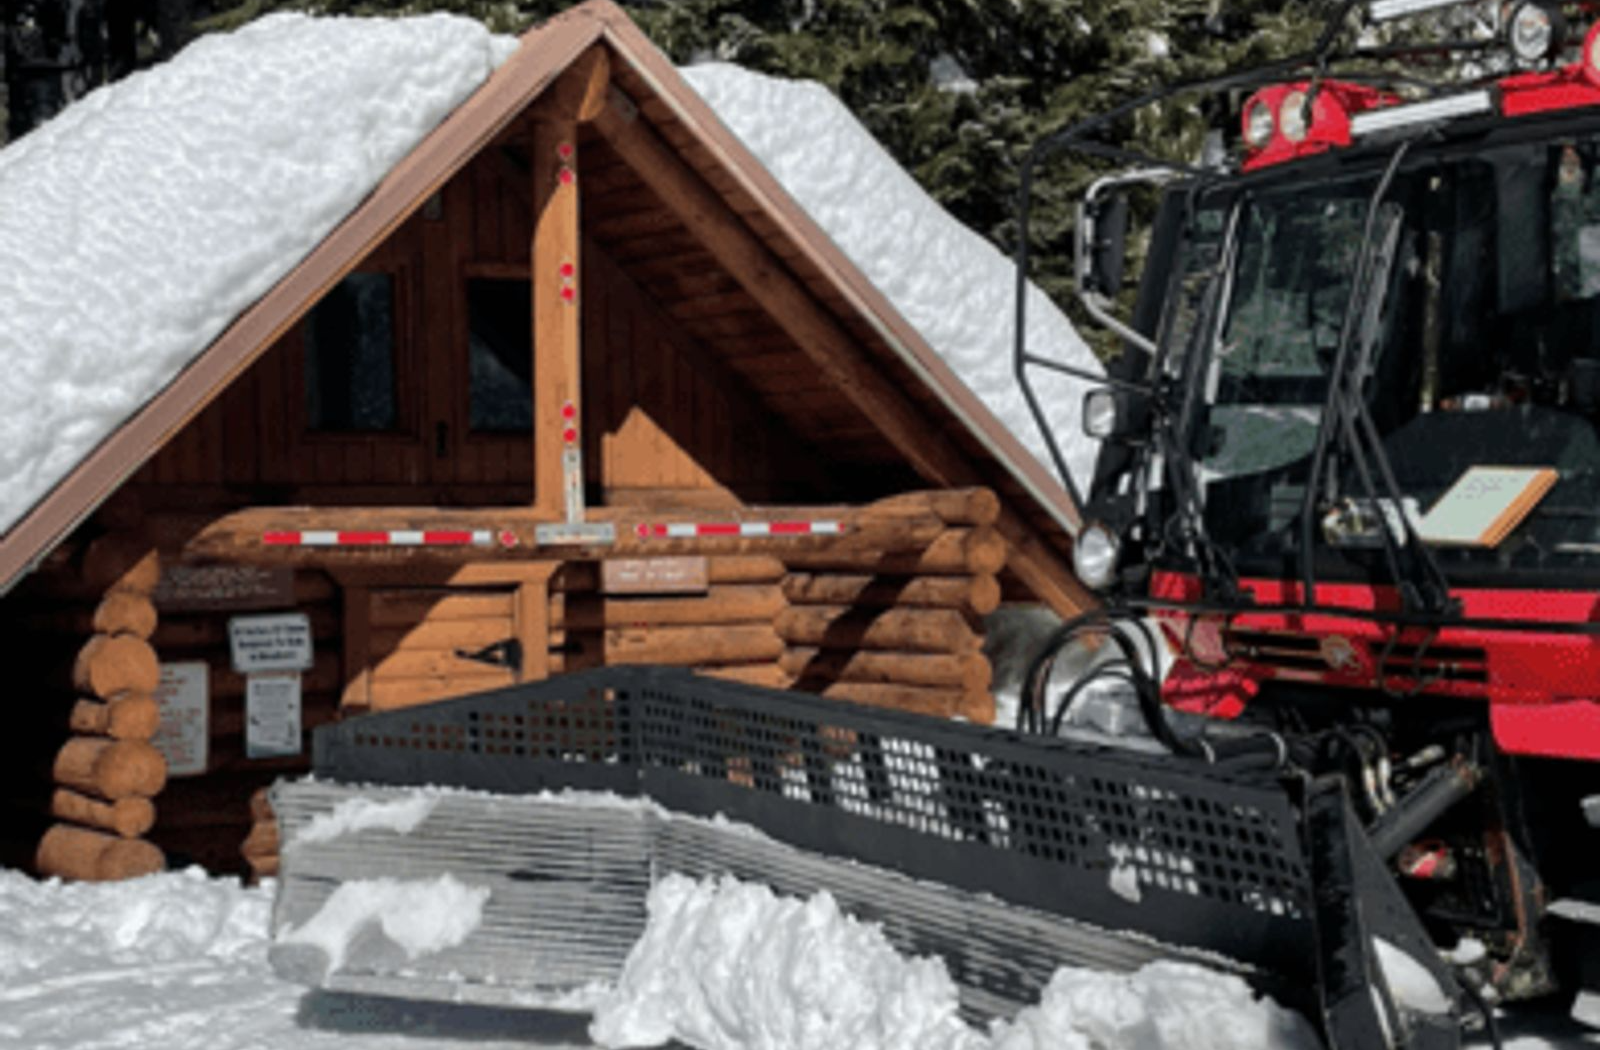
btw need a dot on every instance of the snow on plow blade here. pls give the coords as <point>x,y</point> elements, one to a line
<point>1007,856</point>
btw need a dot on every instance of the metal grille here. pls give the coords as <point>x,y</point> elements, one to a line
<point>1171,847</point>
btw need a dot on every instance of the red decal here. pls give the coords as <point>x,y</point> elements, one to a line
<point>567,269</point>
<point>448,537</point>
<point>363,539</point>
<point>508,538</point>
<point>569,293</point>
<point>718,528</point>
<point>569,435</point>
<point>641,530</point>
<point>568,410</point>
<point>280,539</point>
<point>658,530</point>
<point>564,151</point>
<point>789,528</point>
<point>567,178</point>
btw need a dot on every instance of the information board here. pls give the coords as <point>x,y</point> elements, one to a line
<point>216,587</point>
<point>185,731</point>
<point>272,721</point>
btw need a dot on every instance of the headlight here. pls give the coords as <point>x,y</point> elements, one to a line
<point>1534,32</point>
<point>1292,116</point>
<point>1094,556</point>
<point>1100,414</point>
<point>1258,124</point>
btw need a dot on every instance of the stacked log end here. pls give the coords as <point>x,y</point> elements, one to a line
<point>107,772</point>
<point>261,847</point>
<point>901,629</point>
<point>727,630</point>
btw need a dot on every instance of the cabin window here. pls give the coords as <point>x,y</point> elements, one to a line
<point>350,356</point>
<point>500,347</point>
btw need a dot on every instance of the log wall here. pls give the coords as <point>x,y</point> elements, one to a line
<point>901,629</point>
<point>102,714</point>
<point>204,819</point>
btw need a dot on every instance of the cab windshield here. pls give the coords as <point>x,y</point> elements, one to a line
<point>1481,350</point>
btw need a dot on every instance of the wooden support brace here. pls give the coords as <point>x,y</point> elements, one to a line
<point>762,274</point>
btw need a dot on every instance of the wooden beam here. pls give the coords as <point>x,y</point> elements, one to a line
<point>835,353</point>
<point>557,312</point>
<point>580,93</point>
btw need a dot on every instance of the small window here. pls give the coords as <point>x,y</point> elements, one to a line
<point>350,356</point>
<point>500,319</point>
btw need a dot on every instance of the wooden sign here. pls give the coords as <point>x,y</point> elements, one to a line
<point>206,587</point>
<point>280,642</point>
<point>183,694</point>
<point>684,575</point>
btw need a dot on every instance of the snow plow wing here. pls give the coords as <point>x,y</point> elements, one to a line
<point>1008,856</point>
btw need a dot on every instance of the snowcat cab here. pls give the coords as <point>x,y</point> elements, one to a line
<point>1350,465</point>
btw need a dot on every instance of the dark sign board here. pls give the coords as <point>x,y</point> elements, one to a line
<point>203,587</point>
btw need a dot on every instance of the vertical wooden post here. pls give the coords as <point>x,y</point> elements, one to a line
<point>557,291</point>
<point>576,97</point>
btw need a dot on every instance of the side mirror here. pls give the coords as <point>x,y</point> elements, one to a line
<point>1110,414</point>
<point>1108,248</point>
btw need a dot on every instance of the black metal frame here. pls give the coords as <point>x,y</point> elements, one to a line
<point>1245,865</point>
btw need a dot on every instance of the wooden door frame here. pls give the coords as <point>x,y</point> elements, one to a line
<point>530,584</point>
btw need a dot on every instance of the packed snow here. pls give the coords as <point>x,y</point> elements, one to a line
<point>422,916</point>
<point>179,961</point>
<point>953,286</point>
<point>400,816</point>
<point>140,222</point>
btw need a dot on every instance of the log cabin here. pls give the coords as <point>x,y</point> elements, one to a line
<point>577,384</point>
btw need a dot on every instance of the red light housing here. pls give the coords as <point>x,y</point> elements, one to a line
<point>1328,125</point>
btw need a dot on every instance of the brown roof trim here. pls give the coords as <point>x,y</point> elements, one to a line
<point>823,253</point>
<point>546,51</point>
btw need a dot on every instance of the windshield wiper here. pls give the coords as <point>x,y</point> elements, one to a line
<point>1347,424</point>
<point>1175,431</point>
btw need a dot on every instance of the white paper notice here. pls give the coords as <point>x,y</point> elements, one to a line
<point>279,642</point>
<point>184,732</point>
<point>272,715</point>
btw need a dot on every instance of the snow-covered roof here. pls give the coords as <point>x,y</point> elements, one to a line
<point>145,220</point>
<point>139,223</point>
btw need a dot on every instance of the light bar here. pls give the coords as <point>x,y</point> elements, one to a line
<point>1435,109</point>
<point>1388,10</point>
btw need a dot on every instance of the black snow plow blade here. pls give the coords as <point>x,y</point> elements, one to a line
<point>1008,856</point>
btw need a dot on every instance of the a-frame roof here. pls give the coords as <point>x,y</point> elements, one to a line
<point>885,368</point>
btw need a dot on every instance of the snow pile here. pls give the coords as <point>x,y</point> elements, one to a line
<point>954,287</point>
<point>51,927</point>
<point>725,965</point>
<point>400,816</point>
<point>136,225</point>
<point>422,916</point>
<point>1164,1006</point>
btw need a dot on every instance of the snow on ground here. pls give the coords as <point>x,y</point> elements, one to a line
<point>137,224</point>
<point>954,287</point>
<point>178,962</point>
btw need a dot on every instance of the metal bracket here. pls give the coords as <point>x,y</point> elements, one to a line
<point>564,534</point>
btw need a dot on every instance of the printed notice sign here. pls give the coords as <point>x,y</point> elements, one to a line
<point>280,642</point>
<point>210,587</point>
<point>272,714</point>
<point>183,695</point>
